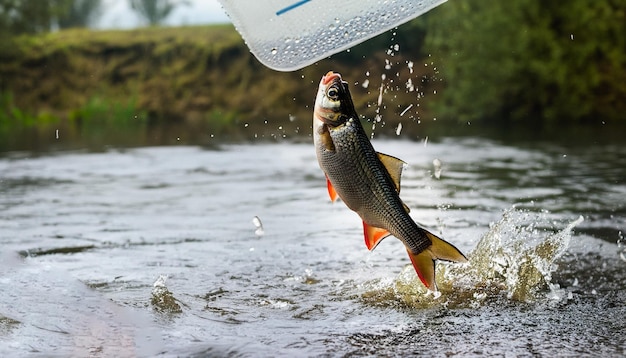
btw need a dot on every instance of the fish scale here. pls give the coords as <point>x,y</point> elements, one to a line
<point>374,198</point>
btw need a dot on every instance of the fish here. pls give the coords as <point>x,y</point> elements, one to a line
<point>368,182</point>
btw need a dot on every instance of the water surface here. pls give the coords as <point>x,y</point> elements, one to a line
<point>85,237</point>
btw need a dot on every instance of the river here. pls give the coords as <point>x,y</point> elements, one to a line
<point>236,250</point>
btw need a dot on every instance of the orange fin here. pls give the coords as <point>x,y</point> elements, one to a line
<point>331,190</point>
<point>443,250</point>
<point>373,235</point>
<point>424,265</point>
<point>424,262</point>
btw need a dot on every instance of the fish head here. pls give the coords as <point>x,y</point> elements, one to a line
<point>333,104</point>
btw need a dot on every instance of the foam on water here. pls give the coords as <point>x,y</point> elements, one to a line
<point>515,259</point>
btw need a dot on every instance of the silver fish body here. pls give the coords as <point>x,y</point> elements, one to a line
<point>369,182</point>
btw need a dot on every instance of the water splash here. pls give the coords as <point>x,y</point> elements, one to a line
<point>437,168</point>
<point>258,225</point>
<point>621,245</point>
<point>517,254</point>
<point>515,258</point>
<point>162,299</point>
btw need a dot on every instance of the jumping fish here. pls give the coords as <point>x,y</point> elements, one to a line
<point>369,182</point>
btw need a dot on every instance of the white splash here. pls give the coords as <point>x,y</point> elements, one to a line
<point>516,257</point>
<point>399,129</point>
<point>437,168</point>
<point>259,226</point>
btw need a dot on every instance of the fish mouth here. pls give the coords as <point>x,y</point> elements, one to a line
<point>330,77</point>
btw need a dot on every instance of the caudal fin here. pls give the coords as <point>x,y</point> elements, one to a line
<point>424,262</point>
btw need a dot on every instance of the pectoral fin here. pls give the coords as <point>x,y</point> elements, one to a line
<point>394,167</point>
<point>331,190</point>
<point>373,235</point>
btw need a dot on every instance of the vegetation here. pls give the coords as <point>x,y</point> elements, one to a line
<point>155,11</point>
<point>35,16</point>
<point>475,61</point>
<point>204,77</point>
<point>80,13</point>
<point>531,60</point>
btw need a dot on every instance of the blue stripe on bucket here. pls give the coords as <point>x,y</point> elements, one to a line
<point>291,7</point>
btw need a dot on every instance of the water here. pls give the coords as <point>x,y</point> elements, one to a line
<point>157,251</point>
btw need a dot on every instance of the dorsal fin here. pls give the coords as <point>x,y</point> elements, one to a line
<point>373,235</point>
<point>394,167</point>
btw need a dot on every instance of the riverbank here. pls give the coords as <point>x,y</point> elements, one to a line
<point>85,83</point>
<point>78,89</point>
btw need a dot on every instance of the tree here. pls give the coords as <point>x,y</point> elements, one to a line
<point>530,59</point>
<point>155,11</point>
<point>35,16</point>
<point>29,16</point>
<point>80,13</point>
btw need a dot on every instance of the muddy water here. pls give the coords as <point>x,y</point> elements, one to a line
<point>154,252</point>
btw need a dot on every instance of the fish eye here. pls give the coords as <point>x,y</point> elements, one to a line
<point>333,93</point>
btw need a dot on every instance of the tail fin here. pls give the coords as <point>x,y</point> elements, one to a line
<point>424,262</point>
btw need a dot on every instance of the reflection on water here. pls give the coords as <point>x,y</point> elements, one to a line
<point>153,251</point>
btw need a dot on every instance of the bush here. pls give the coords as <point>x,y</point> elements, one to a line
<point>530,60</point>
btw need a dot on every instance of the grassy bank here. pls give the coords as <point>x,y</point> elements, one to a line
<point>92,83</point>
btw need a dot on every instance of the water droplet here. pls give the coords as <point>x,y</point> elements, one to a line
<point>399,129</point>
<point>621,244</point>
<point>259,226</point>
<point>406,110</point>
<point>409,85</point>
<point>365,83</point>
<point>437,168</point>
<point>274,51</point>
